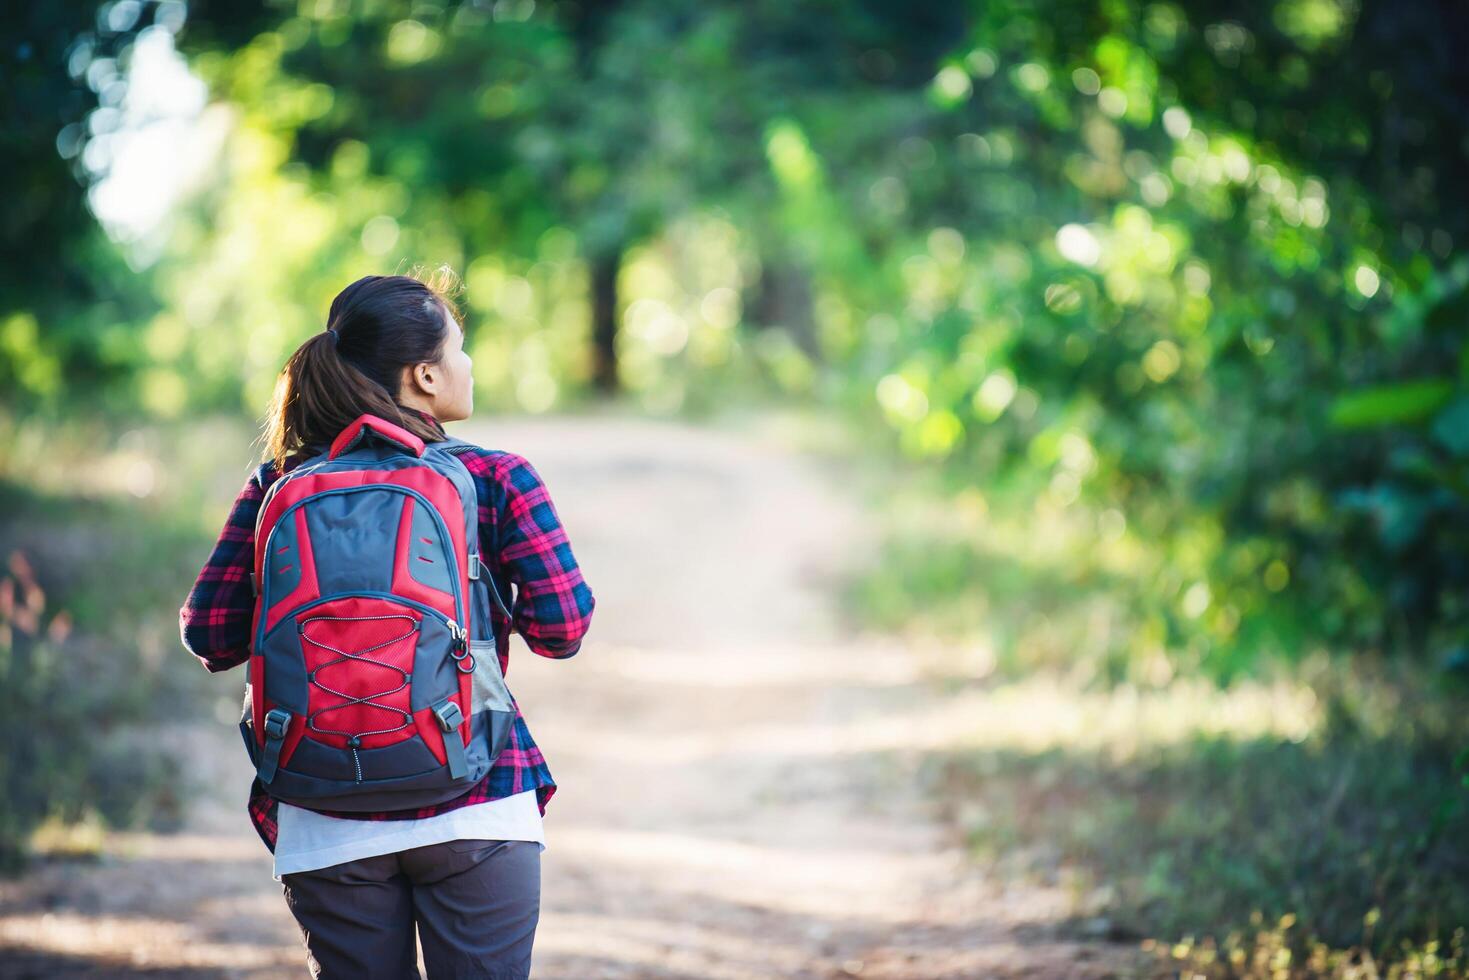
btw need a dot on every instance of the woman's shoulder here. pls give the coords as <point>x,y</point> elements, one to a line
<point>267,471</point>
<point>501,464</point>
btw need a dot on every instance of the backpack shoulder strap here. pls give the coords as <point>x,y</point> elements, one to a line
<point>455,446</point>
<point>260,471</point>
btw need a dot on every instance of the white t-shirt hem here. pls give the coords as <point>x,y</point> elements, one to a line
<point>306,840</point>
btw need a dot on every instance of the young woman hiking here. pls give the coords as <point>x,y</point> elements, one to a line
<point>466,872</point>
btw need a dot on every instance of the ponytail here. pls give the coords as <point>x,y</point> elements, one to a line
<point>376,327</point>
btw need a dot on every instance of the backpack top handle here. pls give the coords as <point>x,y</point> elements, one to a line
<point>366,425</point>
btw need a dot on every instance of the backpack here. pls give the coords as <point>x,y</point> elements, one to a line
<point>373,680</point>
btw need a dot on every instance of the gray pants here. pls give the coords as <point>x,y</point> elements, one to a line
<point>475,902</point>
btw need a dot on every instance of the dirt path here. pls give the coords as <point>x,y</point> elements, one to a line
<point>738,792</point>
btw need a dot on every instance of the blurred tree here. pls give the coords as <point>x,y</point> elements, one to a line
<point>608,119</point>
<point>1193,230</point>
<point>68,302</point>
<point>1195,265</point>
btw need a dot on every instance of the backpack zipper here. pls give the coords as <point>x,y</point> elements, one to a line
<point>455,630</point>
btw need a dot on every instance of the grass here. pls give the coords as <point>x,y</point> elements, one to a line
<point>1287,816</point>
<point>1195,837</point>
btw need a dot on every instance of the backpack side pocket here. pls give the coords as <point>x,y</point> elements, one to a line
<point>490,695</point>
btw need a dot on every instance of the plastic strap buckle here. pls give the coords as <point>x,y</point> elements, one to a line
<point>276,722</point>
<point>450,718</point>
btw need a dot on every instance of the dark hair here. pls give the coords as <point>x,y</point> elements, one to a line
<point>376,327</point>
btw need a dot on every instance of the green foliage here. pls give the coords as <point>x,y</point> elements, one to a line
<point>1408,401</point>
<point>1112,232</point>
<point>64,285</point>
<point>1106,228</point>
<point>1082,586</point>
<point>1174,235</point>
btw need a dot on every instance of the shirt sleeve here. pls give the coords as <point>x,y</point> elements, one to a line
<point>553,604</point>
<point>214,621</point>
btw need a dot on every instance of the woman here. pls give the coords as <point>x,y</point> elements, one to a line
<point>466,871</point>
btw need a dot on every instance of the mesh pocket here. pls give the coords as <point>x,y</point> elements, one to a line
<point>359,669</point>
<point>487,683</point>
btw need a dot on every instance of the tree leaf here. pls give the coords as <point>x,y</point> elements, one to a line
<point>1408,401</point>
<point>1451,428</point>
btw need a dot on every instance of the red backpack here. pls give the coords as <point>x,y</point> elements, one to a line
<point>373,679</point>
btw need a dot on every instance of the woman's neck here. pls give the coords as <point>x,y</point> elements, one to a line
<point>426,416</point>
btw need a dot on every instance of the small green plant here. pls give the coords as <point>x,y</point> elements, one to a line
<point>1273,952</point>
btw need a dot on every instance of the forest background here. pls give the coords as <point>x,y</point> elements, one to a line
<point>1156,315</point>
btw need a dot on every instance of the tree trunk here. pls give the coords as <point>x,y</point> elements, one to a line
<point>604,268</point>
<point>782,297</point>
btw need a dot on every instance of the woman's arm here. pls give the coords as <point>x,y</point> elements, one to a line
<point>553,606</point>
<point>214,621</point>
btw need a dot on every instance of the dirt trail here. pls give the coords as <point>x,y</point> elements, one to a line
<point>738,791</point>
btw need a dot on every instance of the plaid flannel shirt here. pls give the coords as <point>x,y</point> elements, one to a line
<point>519,529</point>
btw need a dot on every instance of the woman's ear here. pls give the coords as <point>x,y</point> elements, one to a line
<point>423,377</point>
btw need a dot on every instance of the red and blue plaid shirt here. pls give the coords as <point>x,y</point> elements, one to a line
<point>519,528</point>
